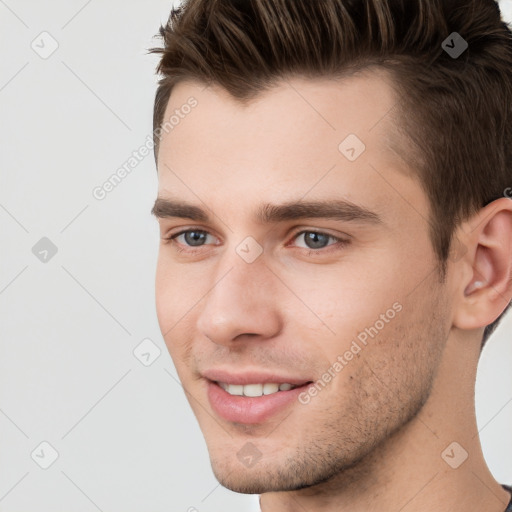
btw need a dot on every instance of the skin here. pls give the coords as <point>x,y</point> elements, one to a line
<point>372,439</point>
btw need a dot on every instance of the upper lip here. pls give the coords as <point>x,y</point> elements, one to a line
<point>252,377</point>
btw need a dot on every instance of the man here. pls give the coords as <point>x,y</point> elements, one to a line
<point>336,227</point>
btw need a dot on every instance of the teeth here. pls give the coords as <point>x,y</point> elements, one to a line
<point>254,390</point>
<point>269,388</point>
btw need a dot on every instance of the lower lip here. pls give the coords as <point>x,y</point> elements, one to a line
<point>250,410</point>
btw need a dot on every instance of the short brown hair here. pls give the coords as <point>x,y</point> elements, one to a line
<point>455,112</point>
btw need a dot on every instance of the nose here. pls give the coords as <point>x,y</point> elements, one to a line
<point>242,302</point>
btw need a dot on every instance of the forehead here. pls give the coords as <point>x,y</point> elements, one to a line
<point>302,137</point>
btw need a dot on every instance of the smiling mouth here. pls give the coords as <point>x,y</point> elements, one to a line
<point>254,402</point>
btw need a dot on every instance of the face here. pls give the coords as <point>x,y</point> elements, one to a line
<point>332,286</point>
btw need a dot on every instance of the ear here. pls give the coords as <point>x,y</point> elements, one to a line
<point>486,286</point>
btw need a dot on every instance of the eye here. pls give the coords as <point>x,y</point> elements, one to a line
<point>314,241</point>
<point>191,237</point>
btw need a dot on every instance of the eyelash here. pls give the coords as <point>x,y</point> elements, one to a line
<point>340,242</point>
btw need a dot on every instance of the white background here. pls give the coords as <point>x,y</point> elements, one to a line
<point>126,438</point>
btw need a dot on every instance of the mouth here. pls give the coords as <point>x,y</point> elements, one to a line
<point>252,403</point>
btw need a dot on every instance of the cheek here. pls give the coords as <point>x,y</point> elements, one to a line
<point>342,302</point>
<point>175,289</point>
<point>378,317</point>
<point>403,347</point>
<point>172,299</point>
<point>178,294</point>
<point>387,375</point>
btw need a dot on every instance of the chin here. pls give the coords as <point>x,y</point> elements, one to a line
<point>243,485</point>
<point>261,478</point>
<point>250,481</point>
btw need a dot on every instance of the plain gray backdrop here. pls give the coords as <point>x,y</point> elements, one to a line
<point>85,424</point>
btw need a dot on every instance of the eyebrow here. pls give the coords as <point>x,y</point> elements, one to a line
<point>267,213</point>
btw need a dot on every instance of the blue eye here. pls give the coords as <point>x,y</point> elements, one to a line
<point>193,237</point>
<point>315,239</point>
